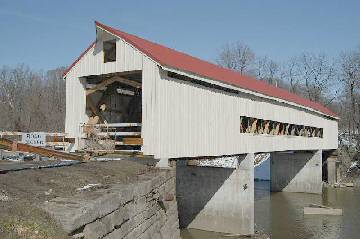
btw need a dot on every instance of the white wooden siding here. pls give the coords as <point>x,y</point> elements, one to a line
<point>197,121</point>
<point>150,101</point>
<point>75,106</point>
<point>180,119</point>
<point>92,63</point>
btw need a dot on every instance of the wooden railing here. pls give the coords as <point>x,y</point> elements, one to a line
<point>125,137</point>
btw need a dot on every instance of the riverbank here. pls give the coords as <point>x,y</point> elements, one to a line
<point>86,200</point>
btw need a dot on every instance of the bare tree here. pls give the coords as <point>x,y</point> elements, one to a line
<point>267,69</point>
<point>260,67</point>
<point>291,73</point>
<point>318,74</point>
<point>31,101</point>
<point>350,76</point>
<point>237,56</point>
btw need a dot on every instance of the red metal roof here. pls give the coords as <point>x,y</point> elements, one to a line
<point>184,62</point>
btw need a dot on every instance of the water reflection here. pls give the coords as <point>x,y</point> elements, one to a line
<point>281,215</point>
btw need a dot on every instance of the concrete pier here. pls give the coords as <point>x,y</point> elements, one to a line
<point>296,171</point>
<point>217,199</point>
<point>333,172</point>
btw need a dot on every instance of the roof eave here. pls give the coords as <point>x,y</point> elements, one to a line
<point>246,91</point>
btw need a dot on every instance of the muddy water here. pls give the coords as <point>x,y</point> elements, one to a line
<point>281,215</point>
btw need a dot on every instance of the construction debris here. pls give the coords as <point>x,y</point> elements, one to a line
<point>343,185</point>
<point>111,137</point>
<point>15,146</point>
<point>315,209</point>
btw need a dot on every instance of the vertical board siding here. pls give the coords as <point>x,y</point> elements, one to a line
<point>149,130</point>
<point>75,107</point>
<point>198,121</point>
<point>92,63</point>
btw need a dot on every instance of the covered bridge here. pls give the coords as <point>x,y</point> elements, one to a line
<point>187,107</point>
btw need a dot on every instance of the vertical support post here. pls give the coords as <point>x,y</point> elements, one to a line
<point>333,172</point>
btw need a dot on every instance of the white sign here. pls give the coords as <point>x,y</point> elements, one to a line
<point>34,138</point>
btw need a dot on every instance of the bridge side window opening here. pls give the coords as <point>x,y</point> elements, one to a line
<point>269,127</point>
<point>109,48</point>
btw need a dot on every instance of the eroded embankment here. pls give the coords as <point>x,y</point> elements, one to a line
<point>126,200</point>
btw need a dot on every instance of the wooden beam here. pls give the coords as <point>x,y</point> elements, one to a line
<point>193,162</point>
<point>133,141</point>
<point>136,153</point>
<point>118,133</point>
<point>100,86</point>
<point>38,150</point>
<point>125,81</point>
<point>119,125</point>
<point>112,80</point>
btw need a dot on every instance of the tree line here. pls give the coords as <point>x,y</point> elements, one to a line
<point>31,100</point>
<point>333,82</point>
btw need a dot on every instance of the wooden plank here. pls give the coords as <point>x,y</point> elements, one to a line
<point>100,86</point>
<point>54,139</point>
<point>318,206</point>
<point>118,125</point>
<point>118,133</point>
<point>322,211</point>
<point>120,152</point>
<point>57,143</point>
<point>193,162</point>
<point>38,150</point>
<point>133,141</point>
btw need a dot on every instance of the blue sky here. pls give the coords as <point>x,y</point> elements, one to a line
<point>47,34</point>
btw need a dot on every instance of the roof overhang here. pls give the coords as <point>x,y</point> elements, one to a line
<point>245,91</point>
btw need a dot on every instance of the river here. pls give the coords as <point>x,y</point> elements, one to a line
<point>281,215</point>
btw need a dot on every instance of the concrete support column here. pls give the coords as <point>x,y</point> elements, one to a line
<point>333,173</point>
<point>217,199</point>
<point>296,171</point>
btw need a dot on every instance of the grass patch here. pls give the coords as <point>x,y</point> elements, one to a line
<point>23,220</point>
